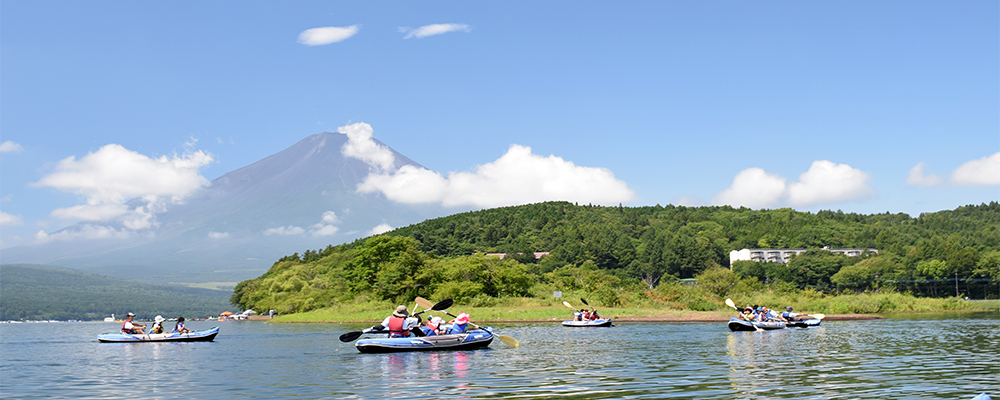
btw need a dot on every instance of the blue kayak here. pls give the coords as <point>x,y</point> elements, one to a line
<point>596,322</point>
<point>207,335</point>
<point>473,339</point>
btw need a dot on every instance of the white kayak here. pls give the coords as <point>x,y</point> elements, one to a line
<point>596,322</point>
<point>198,336</point>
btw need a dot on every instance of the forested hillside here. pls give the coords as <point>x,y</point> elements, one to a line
<point>35,292</point>
<point>604,250</point>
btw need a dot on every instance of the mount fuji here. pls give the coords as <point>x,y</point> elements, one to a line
<point>303,197</point>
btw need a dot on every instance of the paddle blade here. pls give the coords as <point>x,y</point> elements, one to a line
<point>566,303</point>
<point>509,341</point>
<point>729,302</point>
<point>424,303</point>
<point>584,301</point>
<point>443,304</point>
<point>350,336</point>
<point>818,316</point>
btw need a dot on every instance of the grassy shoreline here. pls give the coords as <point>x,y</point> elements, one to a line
<point>515,310</point>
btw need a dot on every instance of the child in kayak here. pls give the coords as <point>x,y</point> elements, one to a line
<point>460,324</point>
<point>157,325</point>
<point>179,328</point>
<point>433,327</point>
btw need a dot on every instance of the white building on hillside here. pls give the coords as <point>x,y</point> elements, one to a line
<point>783,255</point>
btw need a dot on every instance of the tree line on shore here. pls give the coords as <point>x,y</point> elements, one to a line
<point>622,255</point>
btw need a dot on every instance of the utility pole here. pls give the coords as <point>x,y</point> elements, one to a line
<point>956,283</point>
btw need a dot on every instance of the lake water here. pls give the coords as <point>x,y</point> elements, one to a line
<point>930,357</point>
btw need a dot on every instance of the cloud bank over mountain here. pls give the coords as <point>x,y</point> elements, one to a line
<point>825,182</point>
<point>517,177</point>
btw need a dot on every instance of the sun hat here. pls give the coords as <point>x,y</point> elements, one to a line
<point>159,318</point>
<point>462,318</point>
<point>400,312</point>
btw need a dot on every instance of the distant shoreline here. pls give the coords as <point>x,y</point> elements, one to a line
<point>694,316</point>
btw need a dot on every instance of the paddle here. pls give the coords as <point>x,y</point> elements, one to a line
<point>566,303</point>
<point>729,302</point>
<point>503,338</point>
<point>443,304</point>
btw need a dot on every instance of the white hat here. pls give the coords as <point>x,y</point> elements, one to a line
<point>158,318</point>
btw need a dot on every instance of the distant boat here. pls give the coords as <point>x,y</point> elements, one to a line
<point>110,319</point>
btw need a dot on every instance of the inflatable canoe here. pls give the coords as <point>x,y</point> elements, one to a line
<point>473,339</point>
<point>736,324</point>
<point>596,322</point>
<point>199,336</point>
<point>804,323</point>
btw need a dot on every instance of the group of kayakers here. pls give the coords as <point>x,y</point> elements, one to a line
<point>133,328</point>
<point>586,315</point>
<point>402,324</point>
<point>764,314</point>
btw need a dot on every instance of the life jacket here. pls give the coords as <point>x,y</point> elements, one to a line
<point>396,327</point>
<point>456,328</point>
<point>157,328</point>
<point>129,331</point>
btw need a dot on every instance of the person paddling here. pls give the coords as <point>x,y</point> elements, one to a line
<point>433,326</point>
<point>130,327</point>
<point>399,323</point>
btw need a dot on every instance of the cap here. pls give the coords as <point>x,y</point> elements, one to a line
<point>129,315</point>
<point>789,308</point>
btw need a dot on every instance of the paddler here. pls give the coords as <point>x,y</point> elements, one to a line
<point>130,327</point>
<point>399,323</point>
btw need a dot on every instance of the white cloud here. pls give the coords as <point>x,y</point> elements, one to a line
<point>518,177</point>
<point>752,188</point>
<point>380,229</point>
<point>10,219</point>
<point>327,35</point>
<point>824,182</point>
<point>10,147</point>
<point>984,171</point>
<point>88,212</point>
<point>289,230</point>
<point>85,232</point>
<point>218,235</point>
<point>330,217</point>
<point>113,174</point>
<point>917,177</point>
<point>323,230</point>
<point>360,145</point>
<point>434,29</point>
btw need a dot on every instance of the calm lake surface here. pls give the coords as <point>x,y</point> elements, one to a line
<point>956,356</point>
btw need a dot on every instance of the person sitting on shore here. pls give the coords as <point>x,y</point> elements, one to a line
<point>399,323</point>
<point>460,324</point>
<point>157,325</point>
<point>130,327</point>
<point>179,327</point>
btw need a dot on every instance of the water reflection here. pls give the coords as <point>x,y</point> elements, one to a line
<point>865,359</point>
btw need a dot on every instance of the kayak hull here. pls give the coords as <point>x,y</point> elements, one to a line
<point>474,339</point>
<point>596,323</point>
<point>740,325</point>
<point>207,335</point>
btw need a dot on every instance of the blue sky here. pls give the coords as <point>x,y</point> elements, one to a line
<point>865,107</point>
